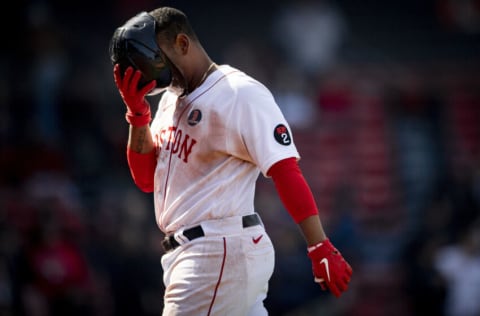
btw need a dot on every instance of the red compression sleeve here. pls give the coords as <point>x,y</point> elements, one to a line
<point>293,189</point>
<point>142,169</point>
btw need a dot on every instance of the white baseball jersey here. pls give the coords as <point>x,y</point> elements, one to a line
<point>212,146</point>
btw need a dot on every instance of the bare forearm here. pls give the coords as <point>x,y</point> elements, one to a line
<point>312,230</point>
<point>140,139</point>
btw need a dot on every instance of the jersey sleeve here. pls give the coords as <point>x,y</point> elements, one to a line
<point>261,127</point>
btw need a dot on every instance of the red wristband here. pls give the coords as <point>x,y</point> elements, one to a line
<point>139,120</point>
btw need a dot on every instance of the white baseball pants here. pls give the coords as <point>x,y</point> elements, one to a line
<point>225,273</point>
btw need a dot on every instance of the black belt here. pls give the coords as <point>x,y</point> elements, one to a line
<point>169,243</point>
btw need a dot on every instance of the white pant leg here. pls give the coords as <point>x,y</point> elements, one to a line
<point>224,275</point>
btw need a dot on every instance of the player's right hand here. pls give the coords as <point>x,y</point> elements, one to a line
<point>329,267</point>
<point>138,108</point>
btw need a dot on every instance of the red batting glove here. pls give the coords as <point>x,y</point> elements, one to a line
<point>329,267</point>
<point>138,108</point>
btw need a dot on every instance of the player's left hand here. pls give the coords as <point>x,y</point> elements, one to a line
<point>138,108</point>
<point>330,268</point>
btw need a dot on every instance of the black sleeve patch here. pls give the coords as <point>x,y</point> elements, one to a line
<point>281,134</point>
<point>194,117</point>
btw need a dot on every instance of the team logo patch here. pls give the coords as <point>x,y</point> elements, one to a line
<point>194,117</point>
<point>281,134</point>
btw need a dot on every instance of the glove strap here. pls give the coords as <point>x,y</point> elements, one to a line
<point>312,248</point>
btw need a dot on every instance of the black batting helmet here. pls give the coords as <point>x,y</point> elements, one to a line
<point>134,44</point>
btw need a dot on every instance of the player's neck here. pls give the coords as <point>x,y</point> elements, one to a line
<point>211,68</point>
<point>206,68</point>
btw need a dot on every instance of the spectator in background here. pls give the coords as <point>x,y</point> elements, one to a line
<point>309,33</point>
<point>459,265</point>
<point>52,274</point>
<point>424,283</point>
<point>415,115</point>
<point>49,65</point>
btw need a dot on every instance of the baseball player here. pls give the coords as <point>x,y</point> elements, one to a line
<point>214,131</point>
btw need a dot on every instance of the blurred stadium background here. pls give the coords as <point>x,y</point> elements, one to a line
<point>384,102</point>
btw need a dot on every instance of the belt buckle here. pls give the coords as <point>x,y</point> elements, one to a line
<point>180,237</point>
<point>170,242</point>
